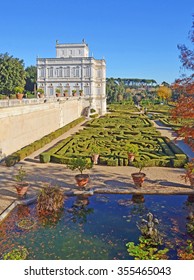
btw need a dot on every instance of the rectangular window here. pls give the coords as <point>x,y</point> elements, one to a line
<point>77,72</point>
<point>59,72</point>
<point>87,72</point>
<point>66,72</point>
<point>41,71</point>
<point>50,72</point>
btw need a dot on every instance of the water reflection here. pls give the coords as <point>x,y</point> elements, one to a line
<point>80,209</point>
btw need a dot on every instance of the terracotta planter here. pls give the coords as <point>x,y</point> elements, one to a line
<point>58,94</point>
<point>131,157</point>
<point>65,94</point>
<point>22,189</point>
<point>95,158</point>
<point>138,178</point>
<point>82,180</point>
<point>19,95</point>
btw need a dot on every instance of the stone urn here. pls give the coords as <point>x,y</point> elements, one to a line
<point>95,158</point>
<point>131,157</point>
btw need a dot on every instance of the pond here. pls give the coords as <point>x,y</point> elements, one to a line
<point>97,227</point>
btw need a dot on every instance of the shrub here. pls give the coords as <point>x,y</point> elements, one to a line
<point>94,116</point>
<point>60,159</point>
<point>50,199</point>
<point>112,162</point>
<point>44,157</point>
<point>103,160</point>
<point>11,160</point>
<point>80,163</point>
<point>178,163</point>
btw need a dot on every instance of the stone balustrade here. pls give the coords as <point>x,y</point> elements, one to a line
<point>32,101</point>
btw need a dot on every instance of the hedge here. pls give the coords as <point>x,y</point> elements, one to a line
<point>112,134</point>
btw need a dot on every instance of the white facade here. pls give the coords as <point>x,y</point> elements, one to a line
<point>73,71</point>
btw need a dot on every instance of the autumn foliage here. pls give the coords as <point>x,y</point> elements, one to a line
<point>184,109</point>
<point>164,92</point>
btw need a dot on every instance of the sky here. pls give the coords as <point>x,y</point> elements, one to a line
<point>137,38</point>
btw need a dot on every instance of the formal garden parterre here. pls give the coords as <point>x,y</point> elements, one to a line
<point>112,135</point>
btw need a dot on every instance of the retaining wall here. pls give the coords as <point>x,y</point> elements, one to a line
<point>24,123</point>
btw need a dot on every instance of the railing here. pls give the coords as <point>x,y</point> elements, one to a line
<point>32,101</point>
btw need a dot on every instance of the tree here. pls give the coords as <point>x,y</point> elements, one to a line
<point>111,90</point>
<point>164,92</point>
<point>184,109</point>
<point>12,73</point>
<point>31,77</point>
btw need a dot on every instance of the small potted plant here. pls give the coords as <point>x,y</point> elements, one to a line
<point>21,186</point>
<point>65,92</point>
<point>40,92</point>
<point>132,151</point>
<point>58,92</point>
<point>189,174</point>
<point>139,177</point>
<point>19,92</point>
<point>74,91</point>
<point>81,164</point>
<point>95,154</point>
<point>81,92</point>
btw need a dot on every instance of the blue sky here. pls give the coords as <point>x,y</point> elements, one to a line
<point>137,38</point>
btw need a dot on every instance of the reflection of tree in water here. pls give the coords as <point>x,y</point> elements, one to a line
<point>23,211</point>
<point>50,220</point>
<point>80,209</point>
<point>136,204</point>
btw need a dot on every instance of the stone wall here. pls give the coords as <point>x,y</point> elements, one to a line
<point>24,124</point>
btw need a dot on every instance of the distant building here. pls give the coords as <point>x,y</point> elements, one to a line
<point>74,72</point>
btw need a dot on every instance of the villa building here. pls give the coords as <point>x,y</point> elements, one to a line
<point>73,73</point>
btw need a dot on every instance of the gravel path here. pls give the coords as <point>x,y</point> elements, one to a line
<point>169,132</point>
